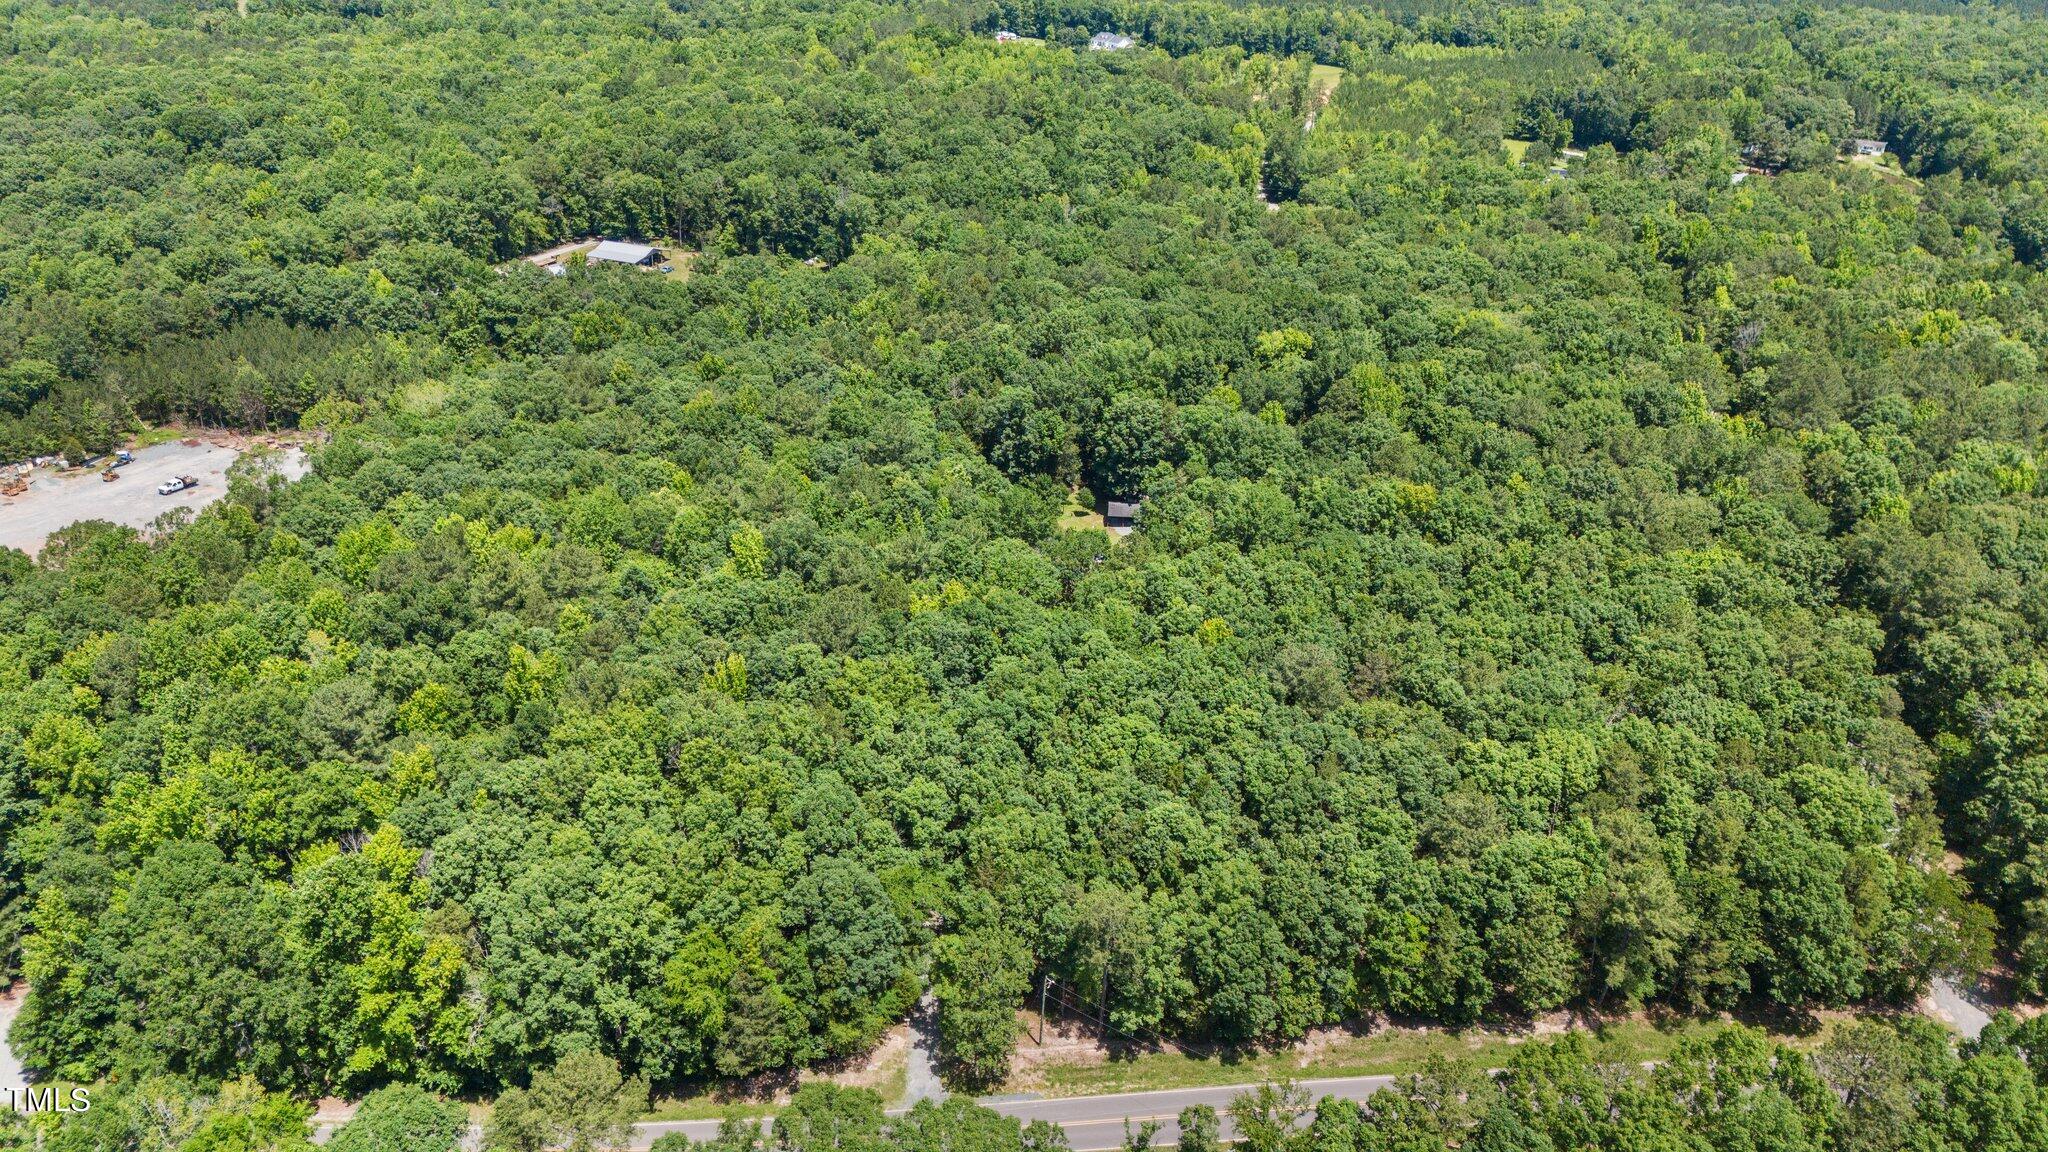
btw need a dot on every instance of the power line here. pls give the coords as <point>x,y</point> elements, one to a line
<point>1101,1017</point>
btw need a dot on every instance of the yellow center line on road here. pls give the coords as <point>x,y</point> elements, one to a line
<point>1116,1120</point>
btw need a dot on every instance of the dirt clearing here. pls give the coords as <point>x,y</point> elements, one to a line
<point>57,500</point>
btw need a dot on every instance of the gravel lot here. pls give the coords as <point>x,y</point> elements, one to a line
<point>53,501</point>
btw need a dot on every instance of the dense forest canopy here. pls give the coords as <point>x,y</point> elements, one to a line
<point>1616,587</point>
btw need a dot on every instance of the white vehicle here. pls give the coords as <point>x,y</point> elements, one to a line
<point>177,484</point>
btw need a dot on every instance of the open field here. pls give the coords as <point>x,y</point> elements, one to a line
<point>1323,80</point>
<point>1517,149</point>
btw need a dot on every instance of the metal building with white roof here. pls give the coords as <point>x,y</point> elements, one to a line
<point>620,252</point>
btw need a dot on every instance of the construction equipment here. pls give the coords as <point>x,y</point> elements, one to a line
<point>109,476</point>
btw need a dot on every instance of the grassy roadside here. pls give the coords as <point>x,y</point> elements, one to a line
<point>1392,1052</point>
<point>716,1101</point>
<point>1388,1052</point>
<point>707,1107</point>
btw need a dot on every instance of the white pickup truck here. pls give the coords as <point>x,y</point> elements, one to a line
<point>177,484</point>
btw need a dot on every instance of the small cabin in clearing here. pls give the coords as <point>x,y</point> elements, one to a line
<point>1120,516</point>
<point>1867,147</point>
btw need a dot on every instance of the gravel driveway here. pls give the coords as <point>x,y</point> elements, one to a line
<point>56,501</point>
<point>10,1068</point>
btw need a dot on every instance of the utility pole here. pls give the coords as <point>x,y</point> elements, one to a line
<point>1044,983</point>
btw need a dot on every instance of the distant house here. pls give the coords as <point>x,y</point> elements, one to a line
<point>620,252</point>
<point>1867,147</point>
<point>1120,516</point>
<point>1006,36</point>
<point>1109,42</point>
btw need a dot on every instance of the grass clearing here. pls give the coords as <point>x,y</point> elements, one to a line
<point>1889,173</point>
<point>1323,80</point>
<point>1517,149</point>
<point>1074,515</point>
<point>157,434</point>
<point>679,261</point>
<point>424,398</point>
<point>1388,1052</point>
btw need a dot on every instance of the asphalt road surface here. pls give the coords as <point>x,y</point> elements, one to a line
<point>1096,1123</point>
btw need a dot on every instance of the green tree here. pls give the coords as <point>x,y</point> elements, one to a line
<point>979,979</point>
<point>582,1104</point>
<point>1200,1130</point>
<point>402,1118</point>
<point>822,1117</point>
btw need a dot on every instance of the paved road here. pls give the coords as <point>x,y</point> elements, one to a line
<point>1093,1123</point>
<point>1096,1123</point>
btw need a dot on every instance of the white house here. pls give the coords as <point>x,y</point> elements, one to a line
<point>1867,147</point>
<point>1109,42</point>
